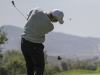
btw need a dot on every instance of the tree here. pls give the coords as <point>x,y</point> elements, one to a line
<point>70,64</point>
<point>64,66</point>
<point>98,69</point>
<point>3,39</point>
<point>45,57</point>
<point>14,64</point>
<point>57,69</point>
<point>77,64</point>
<point>10,54</point>
<point>49,69</point>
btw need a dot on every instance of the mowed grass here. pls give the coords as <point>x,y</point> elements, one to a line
<point>79,72</point>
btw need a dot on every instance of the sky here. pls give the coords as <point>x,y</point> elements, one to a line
<point>84,15</point>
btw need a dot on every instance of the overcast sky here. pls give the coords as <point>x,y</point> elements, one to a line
<point>85,15</point>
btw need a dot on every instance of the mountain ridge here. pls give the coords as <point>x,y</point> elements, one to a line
<point>57,43</point>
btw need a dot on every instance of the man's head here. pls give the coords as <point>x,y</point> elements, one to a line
<point>56,15</point>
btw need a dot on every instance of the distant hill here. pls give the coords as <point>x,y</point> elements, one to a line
<point>68,46</point>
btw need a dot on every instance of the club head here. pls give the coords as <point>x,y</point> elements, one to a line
<point>13,3</point>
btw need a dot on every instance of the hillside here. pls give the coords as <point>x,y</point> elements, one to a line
<point>68,46</point>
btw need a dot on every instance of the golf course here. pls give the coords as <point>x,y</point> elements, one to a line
<point>79,72</point>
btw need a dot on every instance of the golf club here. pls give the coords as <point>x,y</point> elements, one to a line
<point>17,9</point>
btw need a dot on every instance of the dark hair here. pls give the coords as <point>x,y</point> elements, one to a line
<point>51,15</point>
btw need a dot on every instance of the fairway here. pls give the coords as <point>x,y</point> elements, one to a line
<point>79,72</point>
<point>70,74</point>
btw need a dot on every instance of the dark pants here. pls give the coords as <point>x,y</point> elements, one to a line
<point>34,57</point>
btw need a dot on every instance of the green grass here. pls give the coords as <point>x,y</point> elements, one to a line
<point>79,72</point>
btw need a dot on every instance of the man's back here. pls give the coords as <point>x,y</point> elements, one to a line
<point>37,26</point>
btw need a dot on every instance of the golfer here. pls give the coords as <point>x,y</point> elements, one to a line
<point>39,23</point>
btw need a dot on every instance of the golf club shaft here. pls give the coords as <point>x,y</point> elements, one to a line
<point>21,13</point>
<point>17,9</point>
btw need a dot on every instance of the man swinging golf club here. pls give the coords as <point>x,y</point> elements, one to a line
<point>39,23</point>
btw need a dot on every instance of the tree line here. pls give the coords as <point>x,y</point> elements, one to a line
<point>13,63</point>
